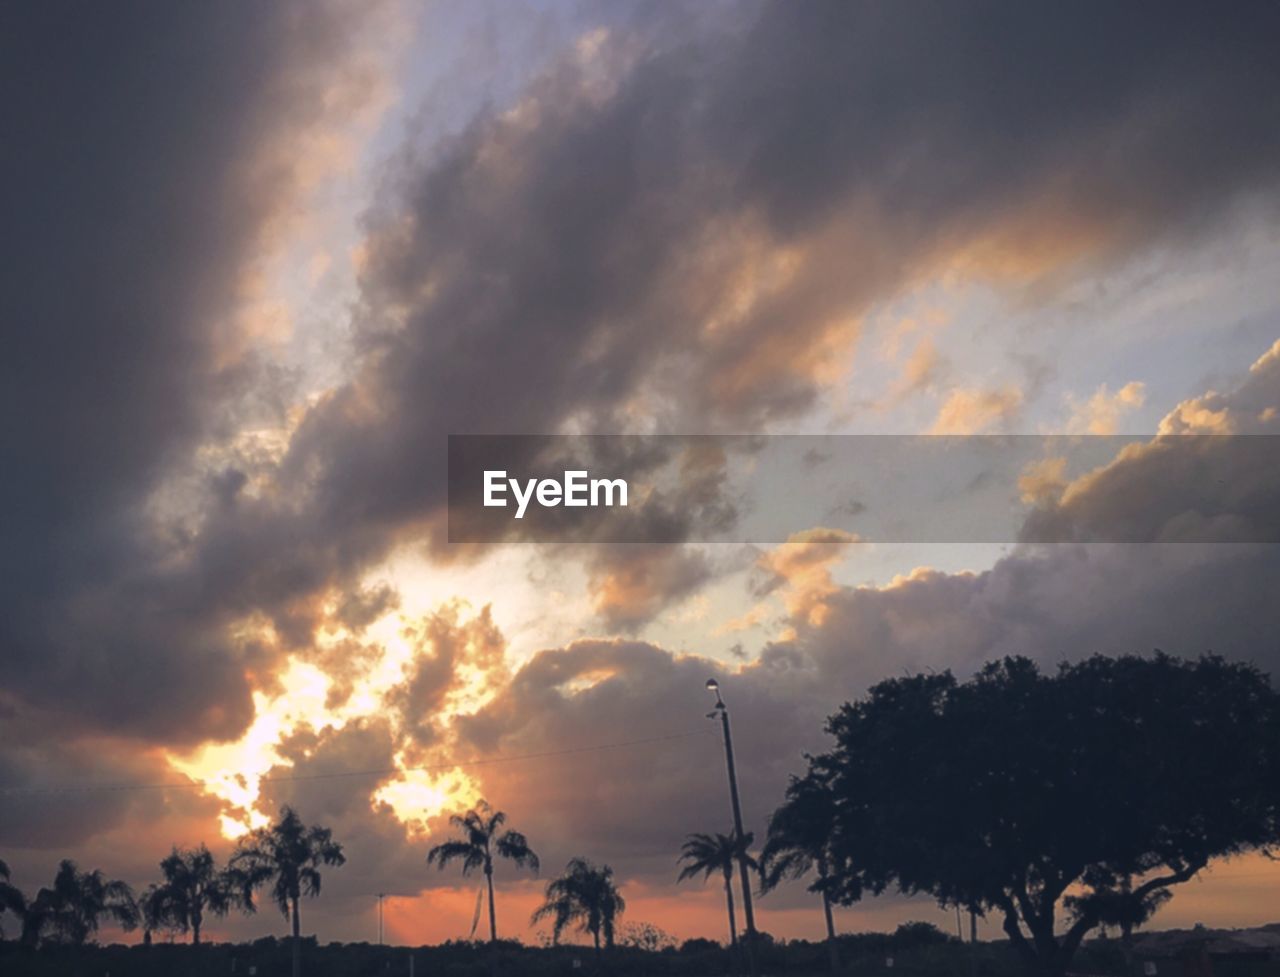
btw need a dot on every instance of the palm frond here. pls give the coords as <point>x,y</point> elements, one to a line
<point>450,851</point>
<point>514,846</point>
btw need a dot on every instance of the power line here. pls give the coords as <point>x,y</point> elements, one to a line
<point>18,790</point>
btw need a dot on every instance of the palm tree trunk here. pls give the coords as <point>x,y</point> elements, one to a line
<point>297,940</point>
<point>493,916</point>
<point>747,909</point>
<point>833,950</point>
<point>733,922</point>
<point>752,944</point>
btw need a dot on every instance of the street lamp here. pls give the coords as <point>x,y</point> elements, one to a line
<point>721,711</point>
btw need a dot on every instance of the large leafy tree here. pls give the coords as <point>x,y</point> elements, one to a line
<point>799,843</point>
<point>193,886</point>
<point>482,839</point>
<point>71,910</point>
<point>586,895</point>
<point>1006,792</point>
<point>289,856</point>
<point>706,854</point>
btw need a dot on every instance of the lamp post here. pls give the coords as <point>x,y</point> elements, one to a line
<point>721,711</point>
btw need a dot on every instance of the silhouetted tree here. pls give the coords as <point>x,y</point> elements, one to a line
<point>72,909</point>
<point>917,933</point>
<point>1121,908</point>
<point>798,842</point>
<point>11,898</point>
<point>704,854</point>
<point>480,841</point>
<point>1004,792</point>
<point>289,855</point>
<point>153,913</point>
<point>647,937</point>
<point>193,886</point>
<point>584,894</point>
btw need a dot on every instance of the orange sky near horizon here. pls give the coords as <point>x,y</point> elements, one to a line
<point>1235,893</point>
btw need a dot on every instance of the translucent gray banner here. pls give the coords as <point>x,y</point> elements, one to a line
<point>874,488</point>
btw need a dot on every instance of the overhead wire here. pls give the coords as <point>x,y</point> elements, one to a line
<point>195,783</point>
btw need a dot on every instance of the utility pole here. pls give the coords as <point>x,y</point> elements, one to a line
<point>381,896</point>
<point>722,712</point>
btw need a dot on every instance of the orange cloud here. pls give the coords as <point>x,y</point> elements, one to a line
<point>971,410</point>
<point>803,566</point>
<point>1101,413</point>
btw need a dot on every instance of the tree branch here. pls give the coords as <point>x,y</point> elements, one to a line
<point>1164,881</point>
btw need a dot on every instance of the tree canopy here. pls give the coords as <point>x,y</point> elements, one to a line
<point>584,894</point>
<point>193,886</point>
<point>1024,794</point>
<point>71,909</point>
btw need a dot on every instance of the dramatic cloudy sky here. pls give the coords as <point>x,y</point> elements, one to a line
<point>260,260</point>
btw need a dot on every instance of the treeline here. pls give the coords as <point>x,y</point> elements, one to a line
<point>917,950</point>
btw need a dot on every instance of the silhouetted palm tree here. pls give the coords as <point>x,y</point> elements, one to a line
<point>797,843</point>
<point>705,854</point>
<point>72,909</point>
<point>290,854</point>
<point>479,843</point>
<point>584,894</point>
<point>192,886</point>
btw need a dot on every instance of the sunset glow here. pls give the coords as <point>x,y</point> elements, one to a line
<point>884,342</point>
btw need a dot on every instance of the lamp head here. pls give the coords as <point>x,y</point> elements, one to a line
<point>714,686</point>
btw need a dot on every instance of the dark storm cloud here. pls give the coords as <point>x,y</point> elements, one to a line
<point>673,231</point>
<point>959,112</point>
<point>1066,602</point>
<point>75,799</point>
<point>138,179</point>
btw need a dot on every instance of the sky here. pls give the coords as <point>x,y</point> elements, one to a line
<point>261,260</point>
